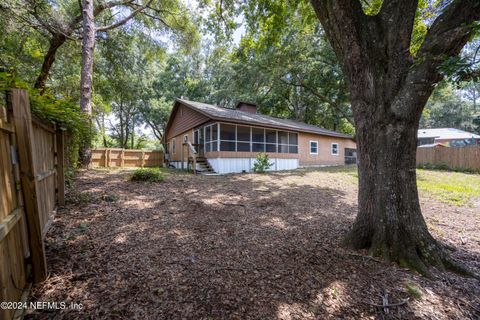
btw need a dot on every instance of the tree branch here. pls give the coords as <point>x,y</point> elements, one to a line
<point>343,22</point>
<point>445,39</point>
<point>321,97</point>
<point>125,20</point>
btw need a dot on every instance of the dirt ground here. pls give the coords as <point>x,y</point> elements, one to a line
<point>240,247</point>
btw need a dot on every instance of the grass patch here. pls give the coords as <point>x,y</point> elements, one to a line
<point>456,188</point>
<point>148,175</point>
<point>449,187</point>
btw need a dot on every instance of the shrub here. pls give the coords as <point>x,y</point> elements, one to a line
<point>63,111</point>
<point>262,163</point>
<point>148,174</point>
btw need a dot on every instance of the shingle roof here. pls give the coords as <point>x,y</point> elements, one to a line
<point>238,116</point>
<point>446,133</point>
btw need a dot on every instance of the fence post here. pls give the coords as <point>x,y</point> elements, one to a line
<point>24,132</point>
<point>107,158</point>
<point>60,135</point>
<point>123,158</point>
<point>143,158</point>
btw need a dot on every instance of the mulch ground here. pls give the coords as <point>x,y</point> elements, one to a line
<point>240,247</point>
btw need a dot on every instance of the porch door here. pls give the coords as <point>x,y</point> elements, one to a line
<point>199,140</point>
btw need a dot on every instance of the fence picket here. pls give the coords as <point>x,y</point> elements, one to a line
<point>455,158</point>
<point>112,157</point>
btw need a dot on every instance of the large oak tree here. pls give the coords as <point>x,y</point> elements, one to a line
<point>389,88</point>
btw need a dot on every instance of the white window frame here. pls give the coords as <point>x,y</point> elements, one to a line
<point>338,149</point>
<point>174,145</point>
<point>310,144</point>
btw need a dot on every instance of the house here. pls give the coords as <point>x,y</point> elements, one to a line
<point>449,137</point>
<point>226,140</point>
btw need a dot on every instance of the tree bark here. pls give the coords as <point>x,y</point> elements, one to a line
<point>88,44</point>
<point>56,42</point>
<point>388,91</point>
<point>390,223</point>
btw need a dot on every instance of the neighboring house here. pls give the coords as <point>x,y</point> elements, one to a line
<point>228,140</point>
<point>449,137</point>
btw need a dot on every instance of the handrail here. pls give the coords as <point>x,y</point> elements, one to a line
<point>194,152</point>
<point>192,149</point>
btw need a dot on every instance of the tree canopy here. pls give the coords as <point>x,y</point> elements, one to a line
<point>273,53</point>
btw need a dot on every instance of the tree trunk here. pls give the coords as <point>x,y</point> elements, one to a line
<point>389,221</point>
<point>389,88</point>
<point>88,44</point>
<point>56,42</point>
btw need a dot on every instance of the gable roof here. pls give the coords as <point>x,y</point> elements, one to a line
<point>446,133</point>
<point>238,116</point>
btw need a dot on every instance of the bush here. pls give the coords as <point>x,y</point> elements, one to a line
<point>262,163</point>
<point>148,174</point>
<point>63,111</point>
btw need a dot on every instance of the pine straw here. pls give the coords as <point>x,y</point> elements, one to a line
<point>239,247</point>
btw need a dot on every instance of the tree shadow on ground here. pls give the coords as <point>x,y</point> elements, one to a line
<point>236,247</point>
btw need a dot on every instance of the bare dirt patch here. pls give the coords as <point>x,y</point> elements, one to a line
<point>240,247</point>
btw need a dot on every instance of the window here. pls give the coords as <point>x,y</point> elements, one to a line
<point>258,135</point>
<point>174,145</point>
<point>243,146</point>
<point>242,138</point>
<point>335,149</point>
<point>228,137</point>
<point>227,132</point>
<point>313,147</point>
<point>227,146</point>
<point>243,134</point>
<point>211,134</point>
<point>271,140</point>
<point>287,142</point>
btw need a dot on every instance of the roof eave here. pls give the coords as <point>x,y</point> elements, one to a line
<point>217,118</point>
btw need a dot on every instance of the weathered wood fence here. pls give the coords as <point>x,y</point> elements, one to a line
<point>465,157</point>
<point>112,157</point>
<point>31,185</point>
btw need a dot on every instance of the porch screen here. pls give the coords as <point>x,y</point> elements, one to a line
<point>211,134</point>
<point>254,139</point>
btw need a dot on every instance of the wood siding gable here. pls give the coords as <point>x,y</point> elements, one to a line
<point>184,119</point>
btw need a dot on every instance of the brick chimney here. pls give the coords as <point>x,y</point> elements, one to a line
<point>247,107</point>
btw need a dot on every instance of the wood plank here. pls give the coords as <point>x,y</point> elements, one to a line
<point>60,136</point>
<point>40,123</point>
<point>9,222</point>
<point>20,313</point>
<point>44,175</point>
<point>23,128</point>
<point>7,127</point>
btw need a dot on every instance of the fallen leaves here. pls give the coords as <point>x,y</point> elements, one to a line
<point>236,247</point>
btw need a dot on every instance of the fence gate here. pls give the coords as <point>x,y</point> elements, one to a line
<point>31,154</point>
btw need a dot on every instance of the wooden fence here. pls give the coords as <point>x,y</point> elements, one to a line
<point>465,157</point>
<point>31,185</point>
<point>111,157</point>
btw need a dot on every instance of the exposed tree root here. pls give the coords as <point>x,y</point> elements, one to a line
<point>418,253</point>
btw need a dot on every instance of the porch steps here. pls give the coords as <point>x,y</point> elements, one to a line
<point>204,166</point>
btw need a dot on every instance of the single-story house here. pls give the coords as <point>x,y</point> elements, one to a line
<point>449,137</point>
<point>227,140</point>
